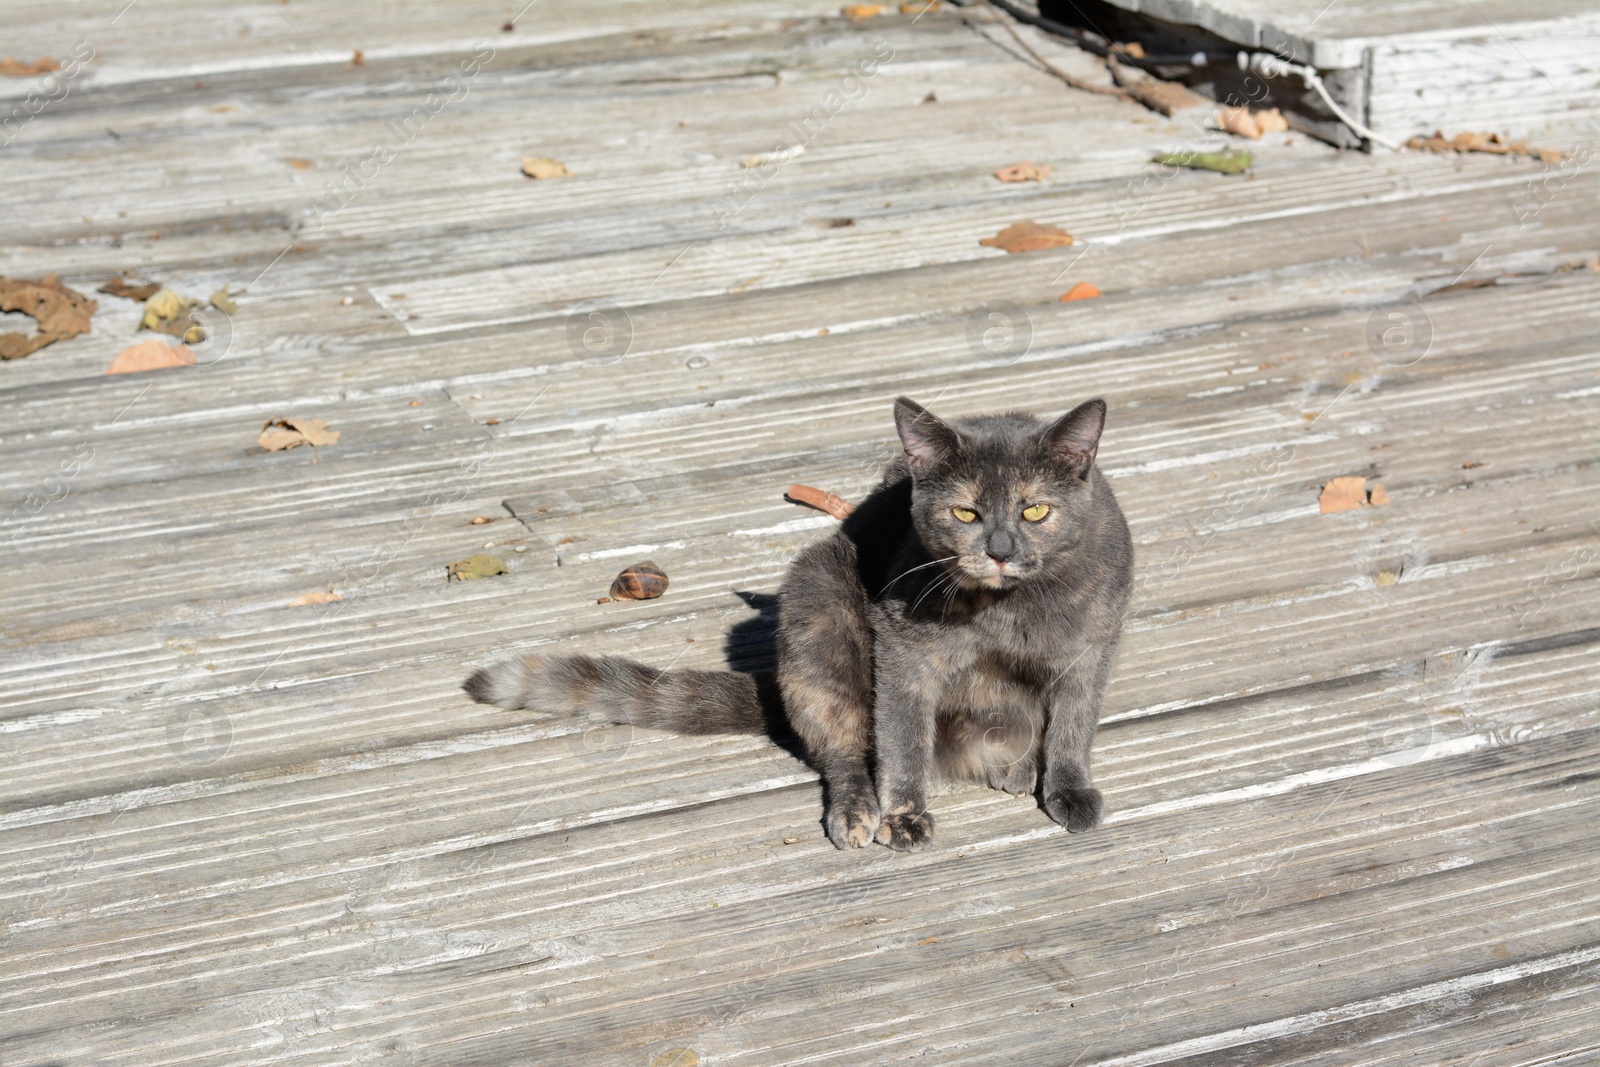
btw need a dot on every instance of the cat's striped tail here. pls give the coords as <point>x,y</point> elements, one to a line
<point>616,690</point>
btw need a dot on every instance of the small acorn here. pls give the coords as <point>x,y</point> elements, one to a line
<point>642,581</point>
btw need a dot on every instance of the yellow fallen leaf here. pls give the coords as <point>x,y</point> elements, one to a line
<point>481,565</point>
<point>861,11</point>
<point>921,7</point>
<point>150,355</point>
<point>314,598</point>
<point>544,167</point>
<point>1081,291</point>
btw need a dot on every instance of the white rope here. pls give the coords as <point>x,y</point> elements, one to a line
<point>1270,66</point>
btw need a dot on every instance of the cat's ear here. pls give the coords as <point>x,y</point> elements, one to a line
<point>928,442</point>
<point>1074,438</point>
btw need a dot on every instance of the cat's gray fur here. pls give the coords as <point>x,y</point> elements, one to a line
<point>910,641</point>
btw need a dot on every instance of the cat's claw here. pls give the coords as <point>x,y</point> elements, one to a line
<point>852,826</point>
<point>906,833</point>
<point>1076,809</point>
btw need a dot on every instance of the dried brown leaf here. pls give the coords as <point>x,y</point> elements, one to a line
<point>279,434</point>
<point>123,288</point>
<point>1343,494</point>
<point>60,312</point>
<point>1271,121</point>
<point>1237,121</point>
<point>1026,171</point>
<point>1165,97</point>
<point>1028,237</point>
<point>12,67</point>
<point>544,167</point>
<point>861,11</point>
<point>150,355</point>
<point>1378,496</point>
<point>1492,143</point>
<point>314,598</point>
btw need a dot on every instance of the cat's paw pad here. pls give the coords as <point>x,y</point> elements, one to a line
<point>906,833</point>
<point>1076,809</point>
<point>852,825</point>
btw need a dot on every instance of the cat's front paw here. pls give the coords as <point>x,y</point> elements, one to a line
<point>1076,809</point>
<point>906,832</point>
<point>852,824</point>
<point>1018,779</point>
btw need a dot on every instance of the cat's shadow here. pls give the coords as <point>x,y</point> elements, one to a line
<point>751,647</point>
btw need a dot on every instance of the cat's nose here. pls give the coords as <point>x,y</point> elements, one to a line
<point>1001,546</point>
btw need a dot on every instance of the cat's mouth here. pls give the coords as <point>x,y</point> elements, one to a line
<point>992,574</point>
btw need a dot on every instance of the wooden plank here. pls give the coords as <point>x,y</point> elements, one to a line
<point>1346,755</point>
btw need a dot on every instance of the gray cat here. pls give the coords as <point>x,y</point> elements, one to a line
<point>962,619</point>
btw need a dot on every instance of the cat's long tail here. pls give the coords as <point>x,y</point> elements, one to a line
<point>615,690</point>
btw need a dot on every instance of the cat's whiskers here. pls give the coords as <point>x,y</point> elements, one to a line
<point>918,567</point>
<point>954,577</point>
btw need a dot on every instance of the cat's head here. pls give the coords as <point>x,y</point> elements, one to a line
<point>1008,495</point>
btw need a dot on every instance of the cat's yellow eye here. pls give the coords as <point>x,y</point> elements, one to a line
<point>1036,512</point>
<point>965,514</point>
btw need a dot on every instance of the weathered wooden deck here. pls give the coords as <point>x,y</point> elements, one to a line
<point>1349,758</point>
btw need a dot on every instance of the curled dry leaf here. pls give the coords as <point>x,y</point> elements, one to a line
<point>1271,121</point>
<point>1026,171</point>
<point>150,355</point>
<point>1243,122</point>
<point>315,598</point>
<point>1081,291</point>
<point>481,565</point>
<point>642,581</point>
<point>544,167</point>
<point>59,311</point>
<point>13,67</point>
<point>279,434</point>
<point>820,499</point>
<point>222,301</point>
<point>1164,97</point>
<point>1343,494</point>
<point>1492,143</point>
<point>1029,237</point>
<point>1377,496</point>
<point>128,291</point>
